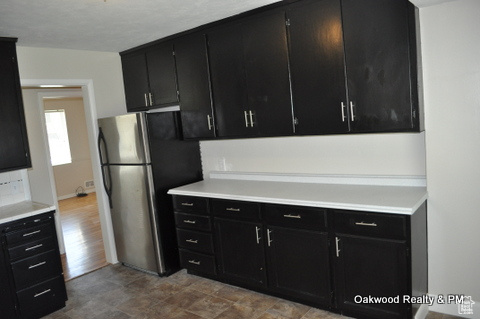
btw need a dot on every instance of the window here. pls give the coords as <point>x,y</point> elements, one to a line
<point>58,137</point>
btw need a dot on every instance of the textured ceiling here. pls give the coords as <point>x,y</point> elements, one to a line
<point>114,25</point>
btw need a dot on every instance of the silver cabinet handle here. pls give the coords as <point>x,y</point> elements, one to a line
<point>336,246</point>
<point>251,114</point>
<point>189,221</point>
<point>269,239</point>
<point>209,121</point>
<point>292,216</point>
<point>187,204</point>
<point>33,247</point>
<point>246,118</point>
<point>257,231</point>
<point>343,112</point>
<point>150,97</point>
<point>32,233</point>
<point>351,111</point>
<point>194,262</point>
<point>366,224</point>
<point>37,265</point>
<point>192,241</point>
<point>231,209</point>
<point>42,293</point>
<point>146,101</point>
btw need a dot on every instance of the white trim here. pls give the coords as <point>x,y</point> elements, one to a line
<point>422,312</point>
<point>72,195</point>
<point>92,130</point>
<point>410,181</point>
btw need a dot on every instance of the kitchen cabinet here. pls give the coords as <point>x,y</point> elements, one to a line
<point>194,87</point>
<point>250,78</point>
<point>353,66</point>
<point>241,253</point>
<point>14,149</point>
<point>149,76</point>
<point>373,258</point>
<point>194,237</point>
<point>380,57</point>
<point>298,253</point>
<point>35,285</point>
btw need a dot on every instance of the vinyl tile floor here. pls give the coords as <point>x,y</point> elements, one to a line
<point>118,292</point>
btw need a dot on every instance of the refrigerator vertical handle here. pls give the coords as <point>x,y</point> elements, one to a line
<point>107,184</point>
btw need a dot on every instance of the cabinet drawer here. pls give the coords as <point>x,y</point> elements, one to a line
<point>32,248</point>
<point>295,216</point>
<point>371,224</point>
<point>192,221</point>
<point>29,234</point>
<point>27,272</point>
<point>43,298</point>
<point>190,204</point>
<point>196,241</point>
<point>197,262</point>
<point>236,209</point>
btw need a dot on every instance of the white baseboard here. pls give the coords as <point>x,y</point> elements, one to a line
<point>88,191</point>
<point>422,312</point>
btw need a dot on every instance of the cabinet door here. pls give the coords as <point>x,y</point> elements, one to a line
<point>378,65</point>
<point>298,263</point>
<point>240,251</point>
<point>228,82</point>
<point>266,68</point>
<point>135,79</point>
<point>371,267</point>
<point>14,151</point>
<point>194,87</point>
<point>6,295</point>
<point>317,67</point>
<point>161,74</point>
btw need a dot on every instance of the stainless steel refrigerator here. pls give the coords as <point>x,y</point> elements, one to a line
<point>142,157</point>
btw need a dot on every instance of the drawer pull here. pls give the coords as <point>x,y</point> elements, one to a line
<point>269,239</point>
<point>337,250</point>
<point>231,209</point>
<point>42,293</point>
<point>366,224</point>
<point>37,265</point>
<point>33,247</point>
<point>187,204</point>
<point>192,241</point>
<point>32,233</point>
<point>194,262</point>
<point>189,221</point>
<point>257,230</point>
<point>292,216</point>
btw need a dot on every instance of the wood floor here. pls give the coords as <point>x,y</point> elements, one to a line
<point>83,236</point>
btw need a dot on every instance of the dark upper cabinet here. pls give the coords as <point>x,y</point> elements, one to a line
<point>194,87</point>
<point>149,77</point>
<point>380,57</point>
<point>14,150</point>
<point>250,78</point>
<point>317,67</point>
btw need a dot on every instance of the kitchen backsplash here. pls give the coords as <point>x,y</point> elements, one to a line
<point>14,187</point>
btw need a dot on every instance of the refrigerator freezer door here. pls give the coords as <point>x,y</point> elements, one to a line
<point>131,212</point>
<point>126,139</point>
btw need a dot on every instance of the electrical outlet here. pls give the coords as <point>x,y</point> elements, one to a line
<point>89,184</point>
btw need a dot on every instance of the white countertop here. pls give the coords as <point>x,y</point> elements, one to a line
<point>372,198</point>
<point>22,210</point>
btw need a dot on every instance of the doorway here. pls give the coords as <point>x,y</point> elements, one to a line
<point>79,226</point>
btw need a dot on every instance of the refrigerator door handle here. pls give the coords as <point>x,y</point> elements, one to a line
<point>152,202</point>
<point>107,183</point>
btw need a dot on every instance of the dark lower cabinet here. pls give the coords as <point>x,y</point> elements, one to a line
<point>14,150</point>
<point>371,267</point>
<point>331,259</point>
<point>31,274</point>
<point>241,253</point>
<point>298,264</point>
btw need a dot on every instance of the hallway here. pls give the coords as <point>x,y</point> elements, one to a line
<point>83,236</point>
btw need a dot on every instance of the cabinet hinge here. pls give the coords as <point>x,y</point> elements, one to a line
<point>414,114</point>
<point>295,121</point>
<point>287,22</point>
<point>173,53</point>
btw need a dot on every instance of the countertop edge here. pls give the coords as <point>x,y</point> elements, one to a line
<point>24,210</point>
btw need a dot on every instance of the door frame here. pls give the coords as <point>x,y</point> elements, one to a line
<point>90,109</point>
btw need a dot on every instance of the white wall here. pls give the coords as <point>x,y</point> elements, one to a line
<point>451,55</point>
<point>365,154</point>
